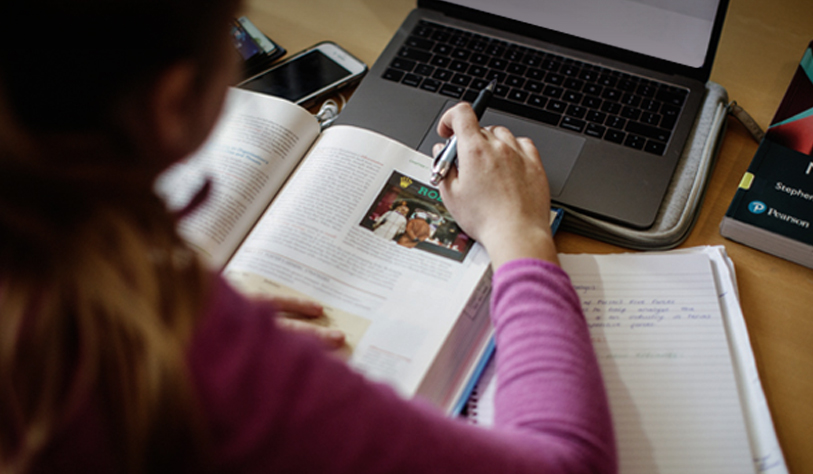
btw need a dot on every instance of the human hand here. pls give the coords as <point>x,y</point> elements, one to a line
<point>499,193</point>
<point>293,315</point>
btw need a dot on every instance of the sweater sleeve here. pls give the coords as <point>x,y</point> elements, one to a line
<point>276,402</point>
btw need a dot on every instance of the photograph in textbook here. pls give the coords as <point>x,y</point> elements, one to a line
<point>412,214</point>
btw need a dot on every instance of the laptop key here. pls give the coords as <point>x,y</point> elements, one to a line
<point>631,100</point>
<point>452,90</point>
<point>458,66</point>
<point>443,49</point>
<point>515,81</point>
<point>596,117</point>
<point>479,84</point>
<point>573,84</point>
<point>461,54</point>
<point>424,70</point>
<point>593,89</point>
<point>651,105</point>
<point>615,136</point>
<point>557,106</point>
<point>675,99</point>
<point>478,46</point>
<point>518,95</point>
<point>647,131</point>
<point>498,75</point>
<point>655,148</point>
<point>594,130</point>
<point>634,141</point>
<point>611,107</point>
<point>440,61</point>
<point>479,59</point>
<point>459,40</point>
<point>477,71</point>
<point>431,85</point>
<point>591,102</point>
<point>607,80</point>
<point>553,91</point>
<point>616,122</point>
<point>516,68</point>
<point>576,111</point>
<point>443,74</point>
<point>611,94</point>
<point>461,80</point>
<point>532,60</point>
<point>573,97</point>
<point>534,87</point>
<point>441,36</point>
<point>535,74</point>
<point>419,43</point>
<point>630,113</point>
<point>627,85</point>
<point>570,123</point>
<point>501,90</point>
<point>570,70</point>
<point>588,75</point>
<point>650,119</point>
<point>422,30</point>
<point>495,50</point>
<point>551,65</point>
<point>402,64</point>
<point>415,54</point>
<point>498,64</point>
<point>412,80</point>
<point>513,55</point>
<point>646,90</point>
<point>555,79</point>
<point>537,101</point>
<point>393,75</point>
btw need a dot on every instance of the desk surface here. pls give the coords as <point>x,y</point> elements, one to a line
<point>761,44</point>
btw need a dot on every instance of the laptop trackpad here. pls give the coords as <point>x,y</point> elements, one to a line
<point>558,149</point>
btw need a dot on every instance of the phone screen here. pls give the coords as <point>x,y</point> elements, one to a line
<point>299,78</point>
<point>248,40</point>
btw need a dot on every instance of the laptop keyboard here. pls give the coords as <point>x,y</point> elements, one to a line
<point>574,95</point>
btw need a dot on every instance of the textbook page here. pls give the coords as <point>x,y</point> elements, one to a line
<point>768,456</point>
<point>358,229</point>
<point>257,143</point>
<point>660,338</point>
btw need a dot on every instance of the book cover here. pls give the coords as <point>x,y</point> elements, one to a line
<point>773,207</point>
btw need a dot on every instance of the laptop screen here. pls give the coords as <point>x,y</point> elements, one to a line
<point>675,31</point>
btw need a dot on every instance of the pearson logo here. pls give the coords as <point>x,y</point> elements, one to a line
<point>757,207</point>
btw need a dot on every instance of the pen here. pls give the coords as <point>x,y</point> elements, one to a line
<point>448,156</point>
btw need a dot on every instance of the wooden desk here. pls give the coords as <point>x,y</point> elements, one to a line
<point>760,48</point>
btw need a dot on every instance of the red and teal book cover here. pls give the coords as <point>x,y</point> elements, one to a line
<point>792,126</point>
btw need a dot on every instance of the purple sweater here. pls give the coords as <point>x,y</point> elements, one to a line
<point>277,403</point>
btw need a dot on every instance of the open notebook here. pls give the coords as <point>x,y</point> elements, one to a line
<point>677,363</point>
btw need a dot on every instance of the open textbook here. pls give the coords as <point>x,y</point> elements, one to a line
<point>344,218</point>
<point>673,347</point>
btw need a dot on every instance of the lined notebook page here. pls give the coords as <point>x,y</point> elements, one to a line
<point>657,328</point>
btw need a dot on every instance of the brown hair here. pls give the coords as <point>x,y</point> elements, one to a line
<point>98,294</point>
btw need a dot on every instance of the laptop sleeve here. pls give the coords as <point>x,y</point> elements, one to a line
<point>684,196</point>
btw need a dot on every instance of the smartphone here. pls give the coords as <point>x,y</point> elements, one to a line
<point>256,49</point>
<point>310,75</point>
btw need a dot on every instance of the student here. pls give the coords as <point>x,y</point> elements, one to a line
<point>120,353</point>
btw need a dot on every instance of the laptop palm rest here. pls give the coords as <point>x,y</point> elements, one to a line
<point>559,150</point>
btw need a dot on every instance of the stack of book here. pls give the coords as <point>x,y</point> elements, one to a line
<point>773,208</point>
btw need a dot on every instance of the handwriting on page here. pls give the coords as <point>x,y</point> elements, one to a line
<point>657,329</point>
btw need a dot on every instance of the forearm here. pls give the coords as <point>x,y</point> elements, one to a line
<point>549,381</point>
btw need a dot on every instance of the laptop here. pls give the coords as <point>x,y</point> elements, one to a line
<point>608,90</point>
